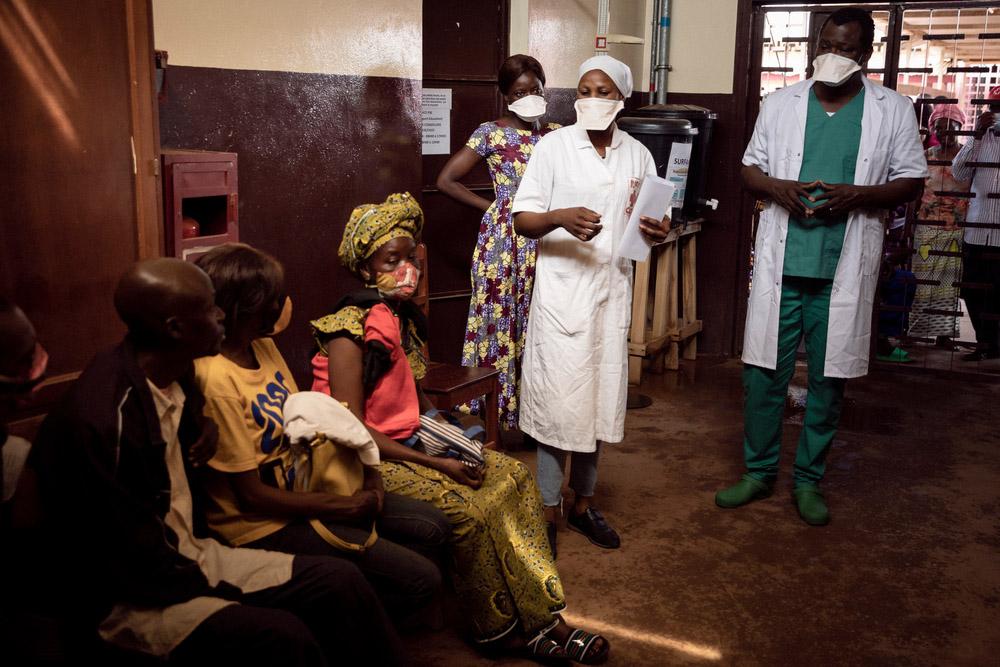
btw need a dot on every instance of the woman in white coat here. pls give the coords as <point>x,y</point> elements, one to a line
<point>574,197</point>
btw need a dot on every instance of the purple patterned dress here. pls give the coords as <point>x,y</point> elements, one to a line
<point>503,265</point>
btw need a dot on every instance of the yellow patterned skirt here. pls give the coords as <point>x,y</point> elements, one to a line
<point>501,563</point>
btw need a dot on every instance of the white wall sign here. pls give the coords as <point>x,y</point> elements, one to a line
<point>436,114</point>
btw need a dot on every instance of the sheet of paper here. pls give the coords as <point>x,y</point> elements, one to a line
<point>653,201</point>
<point>436,114</point>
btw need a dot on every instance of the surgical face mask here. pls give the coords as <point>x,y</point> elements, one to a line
<point>529,108</point>
<point>834,70</point>
<point>284,319</point>
<point>401,284</point>
<point>597,113</point>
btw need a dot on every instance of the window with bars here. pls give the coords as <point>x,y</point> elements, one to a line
<point>944,56</point>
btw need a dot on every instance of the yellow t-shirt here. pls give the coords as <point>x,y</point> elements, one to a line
<point>247,404</point>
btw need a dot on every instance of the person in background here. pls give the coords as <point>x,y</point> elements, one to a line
<point>937,230</point>
<point>22,367</point>
<point>574,197</point>
<point>503,263</point>
<point>832,155</point>
<point>28,631</point>
<point>897,289</point>
<point>981,237</point>
<point>112,463</point>
<point>370,358</point>
<point>245,388</point>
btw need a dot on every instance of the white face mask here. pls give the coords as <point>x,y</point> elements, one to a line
<point>833,70</point>
<point>529,108</point>
<point>596,113</point>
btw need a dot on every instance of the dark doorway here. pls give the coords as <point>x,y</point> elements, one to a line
<point>465,42</point>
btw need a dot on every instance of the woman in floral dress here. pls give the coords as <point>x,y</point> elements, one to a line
<point>945,235</point>
<point>503,264</point>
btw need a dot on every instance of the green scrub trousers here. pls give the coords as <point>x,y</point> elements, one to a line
<point>812,252</point>
<point>805,311</point>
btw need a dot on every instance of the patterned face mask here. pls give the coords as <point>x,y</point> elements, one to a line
<point>401,284</point>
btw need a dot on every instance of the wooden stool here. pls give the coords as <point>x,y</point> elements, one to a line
<point>673,331</point>
<point>447,385</point>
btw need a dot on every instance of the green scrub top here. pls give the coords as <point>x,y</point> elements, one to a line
<point>813,245</point>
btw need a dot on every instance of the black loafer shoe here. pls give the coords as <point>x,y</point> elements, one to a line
<point>592,524</point>
<point>979,355</point>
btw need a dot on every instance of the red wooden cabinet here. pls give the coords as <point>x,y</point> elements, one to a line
<point>199,186</point>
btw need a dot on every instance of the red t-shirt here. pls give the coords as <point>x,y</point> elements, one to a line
<point>392,408</point>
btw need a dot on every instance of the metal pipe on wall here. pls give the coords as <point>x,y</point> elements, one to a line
<point>603,22</point>
<point>660,50</point>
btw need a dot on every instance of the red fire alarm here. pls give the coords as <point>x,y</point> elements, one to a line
<point>601,42</point>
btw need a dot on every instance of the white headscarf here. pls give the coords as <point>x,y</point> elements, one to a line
<point>616,70</point>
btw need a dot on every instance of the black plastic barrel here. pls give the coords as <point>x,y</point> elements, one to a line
<point>659,135</point>
<point>702,120</point>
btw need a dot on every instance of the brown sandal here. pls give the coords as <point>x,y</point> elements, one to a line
<point>579,644</point>
<point>545,648</point>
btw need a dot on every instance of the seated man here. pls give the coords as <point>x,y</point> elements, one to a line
<point>112,465</point>
<point>22,367</point>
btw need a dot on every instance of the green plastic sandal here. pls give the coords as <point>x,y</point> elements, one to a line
<point>897,356</point>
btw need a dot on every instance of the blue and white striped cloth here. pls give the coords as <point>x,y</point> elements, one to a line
<point>441,439</point>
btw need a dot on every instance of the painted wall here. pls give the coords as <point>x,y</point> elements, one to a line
<point>320,100</point>
<point>560,33</point>
<point>360,37</point>
<point>702,46</point>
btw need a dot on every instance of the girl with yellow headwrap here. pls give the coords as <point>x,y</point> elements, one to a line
<point>370,358</point>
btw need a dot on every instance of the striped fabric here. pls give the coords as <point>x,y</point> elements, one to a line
<point>986,180</point>
<point>440,439</point>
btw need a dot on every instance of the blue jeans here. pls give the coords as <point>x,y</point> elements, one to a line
<point>413,536</point>
<point>582,474</point>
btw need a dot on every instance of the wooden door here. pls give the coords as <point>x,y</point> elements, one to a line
<point>464,44</point>
<point>78,177</point>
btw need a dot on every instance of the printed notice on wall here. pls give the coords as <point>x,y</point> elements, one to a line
<point>677,171</point>
<point>436,104</point>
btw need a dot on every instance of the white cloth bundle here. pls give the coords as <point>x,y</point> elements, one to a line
<point>312,413</point>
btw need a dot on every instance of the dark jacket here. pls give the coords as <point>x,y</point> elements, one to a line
<point>105,490</point>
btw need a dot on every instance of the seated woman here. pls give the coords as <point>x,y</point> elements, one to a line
<point>245,389</point>
<point>370,358</point>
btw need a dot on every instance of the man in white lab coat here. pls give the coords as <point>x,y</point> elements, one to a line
<point>830,155</point>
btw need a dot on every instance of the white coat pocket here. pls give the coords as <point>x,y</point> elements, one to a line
<point>565,302</point>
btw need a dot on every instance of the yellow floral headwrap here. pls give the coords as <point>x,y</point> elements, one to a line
<point>373,225</point>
